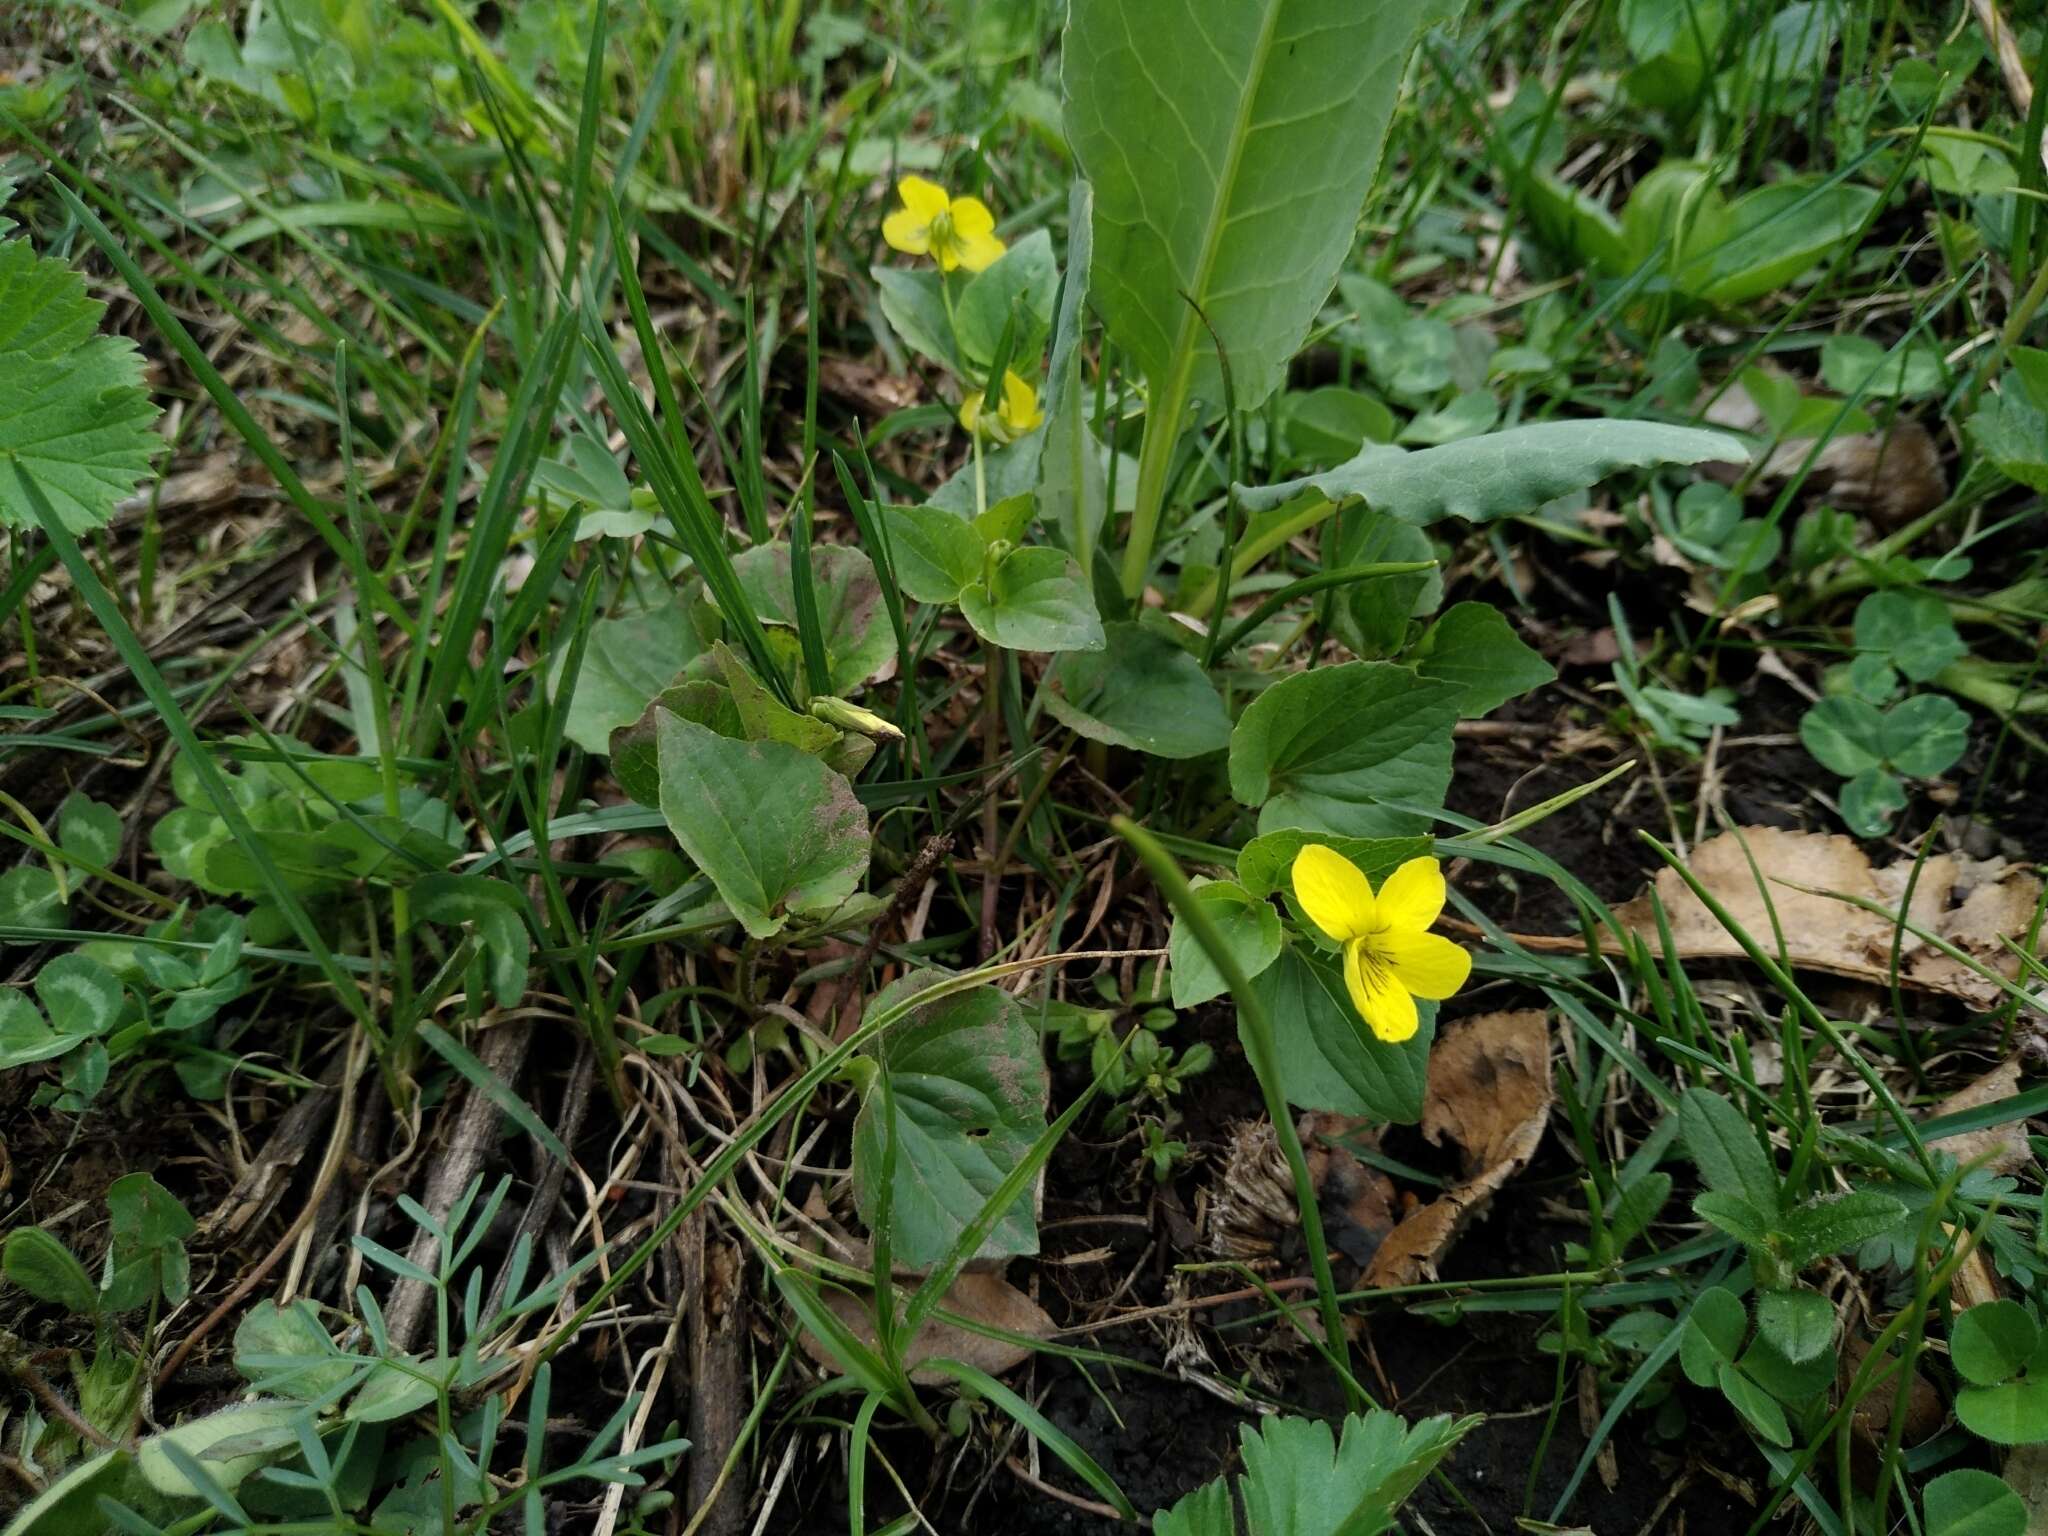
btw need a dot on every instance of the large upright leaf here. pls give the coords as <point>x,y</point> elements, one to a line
<point>1073,491</point>
<point>1503,474</point>
<point>1325,748</point>
<point>1230,144</point>
<point>966,1078</point>
<point>74,417</point>
<point>775,829</point>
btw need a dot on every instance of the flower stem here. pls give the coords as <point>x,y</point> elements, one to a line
<point>1155,461</point>
<point>1260,1045</point>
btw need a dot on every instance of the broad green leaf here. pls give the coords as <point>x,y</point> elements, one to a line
<point>81,997</point>
<point>775,829</point>
<point>1731,1160</point>
<point>1992,1341</point>
<point>1329,1059</point>
<point>1141,691</point>
<point>1036,600</point>
<point>1850,363</point>
<point>1758,1408</point>
<point>1330,425</point>
<point>1790,1381</point>
<point>1300,1480</point>
<point>1666,38</point>
<point>71,1503</point>
<point>1674,213</point>
<point>1008,519</point>
<point>1773,234</point>
<point>1636,1206</point>
<point>88,830</point>
<point>586,474</point>
<point>1322,749</point>
<point>1972,1502</point>
<point>589,478</point>
<point>1870,801</point>
<point>1799,1324</point>
<point>937,553</point>
<point>1476,650</point>
<point>498,911</point>
<point>1503,474</point>
<point>1911,630</point>
<point>397,1389</point>
<point>2012,1413</point>
<point>229,1443</point>
<point>1250,929</point>
<point>858,640</point>
<point>283,1350</point>
<point>74,416</point>
<point>45,1268</point>
<point>1832,1223</point>
<point>149,1226</point>
<point>24,1036</point>
<point>915,308</point>
<point>1025,275</point>
<point>2010,429</point>
<point>1266,863</point>
<point>626,661</point>
<point>635,761</point>
<point>1845,734</point>
<point>967,1076</point>
<point>1009,471</point>
<point>1372,615</point>
<point>1734,1216</point>
<point>1569,220</point>
<point>1925,735</point>
<point>31,898</point>
<point>762,716</point>
<point>1230,145</point>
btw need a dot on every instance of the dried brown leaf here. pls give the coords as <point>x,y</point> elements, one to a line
<point>1894,475</point>
<point>1489,1092</point>
<point>1971,904</point>
<point>2003,1148</point>
<point>979,1296</point>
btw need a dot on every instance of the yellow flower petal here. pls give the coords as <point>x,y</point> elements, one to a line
<point>1427,964</point>
<point>971,218</point>
<point>926,199</point>
<point>1333,891</point>
<point>975,252</point>
<point>970,411</point>
<point>1020,404</point>
<point>1413,896</point>
<point>906,232</point>
<point>1381,1001</point>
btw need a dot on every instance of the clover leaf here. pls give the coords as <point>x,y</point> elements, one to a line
<point>1999,1351</point>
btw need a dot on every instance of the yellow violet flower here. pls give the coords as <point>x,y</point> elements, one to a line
<point>1390,956</point>
<point>1018,414</point>
<point>953,231</point>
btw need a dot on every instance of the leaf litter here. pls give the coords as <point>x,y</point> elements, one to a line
<point>1793,884</point>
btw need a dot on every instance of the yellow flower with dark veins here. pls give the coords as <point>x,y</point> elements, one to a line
<point>1390,956</point>
<point>1018,414</point>
<point>953,231</point>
